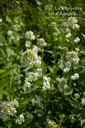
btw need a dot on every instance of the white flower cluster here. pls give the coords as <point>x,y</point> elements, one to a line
<point>72,56</point>
<point>72,59</point>
<point>30,59</point>
<point>36,101</point>
<point>27,84</point>
<point>46,83</point>
<point>30,35</point>
<point>41,42</point>
<point>52,124</point>
<point>66,70</point>
<point>13,35</point>
<point>33,76</point>
<point>76,95</point>
<point>83,101</point>
<point>9,32</point>
<point>17,24</point>
<point>62,84</point>
<point>8,108</point>
<point>77,40</point>
<point>68,35</point>
<point>28,43</point>
<point>73,23</point>
<point>75,76</point>
<point>0,20</point>
<point>20,119</point>
<point>16,27</point>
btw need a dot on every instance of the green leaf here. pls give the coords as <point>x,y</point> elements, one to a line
<point>2,70</point>
<point>25,102</point>
<point>7,72</point>
<point>82,122</point>
<point>3,83</point>
<point>27,122</point>
<point>4,93</point>
<point>8,124</point>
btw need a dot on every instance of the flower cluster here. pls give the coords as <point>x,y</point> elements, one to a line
<point>72,22</point>
<point>41,42</point>
<point>62,84</point>
<point>8,108</point>
<point>46,83</point>
<point>30,59</point>
<point>72,56</point>
<point>77,40</point>
<point>36,101</point>
<point>83,101</point>
<point>52,124</point>
<point>68,35</point>
<point>13,33</point>
<point>33,76</point>
<point>76,95</point>
<point>0,20</point>
<point>75,76</point>
<point>29,35</point>
<point>20,119</point>
<point>66,70</point>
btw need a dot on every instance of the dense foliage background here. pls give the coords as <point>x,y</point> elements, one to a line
<point>42,64</point>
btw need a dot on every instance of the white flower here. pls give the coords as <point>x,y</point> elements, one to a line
<point>66,70</point>
<point>28,58</point>
<point>0,20</point>
<point>32,76</point>
<point>46,83</point>
<point>28,44</point>
<point>62,84</point>
<point>73,57</point>
<point>20,119</point>
<point>68,30</point>
<point>68,64</point>
<point>68,35</point>
<point>41,42</point>
<point>52,124</point>
<point>35,49</point>
<point>75,26</point>
<point>75,76</point>
<point>77,49</point>
<point>83,101</point>
<point>9,32</point>
<point>30,35</point>
<point>8,109</point>
<point>77,40</point>
<point>27,84</point>
<point>16,27</point>
<point>36,101</point>
<point>76,95</point>
<point>75,60</point>
<point>16,103</point>
<point>73,20</point>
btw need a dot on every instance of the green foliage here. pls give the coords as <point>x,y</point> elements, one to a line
<point>42,64</point>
